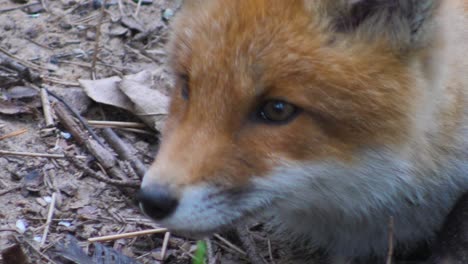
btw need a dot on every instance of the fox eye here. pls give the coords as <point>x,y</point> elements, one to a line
<point>277,111</point>
<point>185,91</point>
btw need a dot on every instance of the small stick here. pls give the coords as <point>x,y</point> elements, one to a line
<point>138,131</point>
<point>23,62</point>
<point>31,246</point>
<point>167,236</point>
<point>229,244</point>
<point>100,177</point>
<point>49,119</point>
<point>9,190</point>
<point>8,9</point>
<point>141,54</point>
<point>66,119</point>
<point>96,42</point>
<point>125,151</point>
<point>14,133</point>
<point>122,13</point>
<point>137,11</point>
<point>209,249</point>
<point>45,5</point>
<point>49,220</point>
<point>128,235</point>
<point>58,81</point>
<point>39,155</point>
<point>9,230</point>
<point>390,240</point>
<point>88,65</point>
<point>114,124</point>
<point>249,245</point>
<point>270,252</point>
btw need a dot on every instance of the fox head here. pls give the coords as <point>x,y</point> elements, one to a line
<point>288,104</point>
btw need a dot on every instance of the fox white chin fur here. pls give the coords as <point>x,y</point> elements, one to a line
<point>344,208</point>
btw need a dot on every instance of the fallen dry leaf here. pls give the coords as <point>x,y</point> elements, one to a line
<point>150,105</point>
<point>14,108</point>
<point>134,93</point>
<point>105,91</point>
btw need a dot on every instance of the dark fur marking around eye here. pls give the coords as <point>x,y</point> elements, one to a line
<point>185,87</point>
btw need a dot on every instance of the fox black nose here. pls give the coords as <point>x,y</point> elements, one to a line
<point>157,201</point>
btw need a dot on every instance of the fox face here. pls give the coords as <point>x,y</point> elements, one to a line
<point>293,108</point>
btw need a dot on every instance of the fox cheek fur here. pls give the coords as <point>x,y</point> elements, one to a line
<point>375,94</point>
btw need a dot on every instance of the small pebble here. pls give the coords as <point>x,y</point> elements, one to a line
<point>41,202</point>
<point>65,25</point>
<point>33,9</point>
<point>167,14</point>
<point>144,2</point>
<point>21,225</point>
<point>32,32</point>
<point>118,31</point>
<point>9,25</point>
<point>64,223</point>
<point>48,199</point>
<point>90,35</point>
<point>65,135</point>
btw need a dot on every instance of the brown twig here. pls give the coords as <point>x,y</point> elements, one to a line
<point>128,235</point>
<point>9,230</point>
<point>57,81</point>
<point>31,76</point>
<point>8,9</point>
<point>70,121</point>
<point>42,255</point>
<point>38,155</point>
<point>230,245</point>
<point>121,9</point>
<point>139,131</point>
<point>249,245</point>
<point>14,133</point>
<point>98,37</point>
<point>100,177</point>
<point>125,151</point>
<point>140,53</point>
<point>45,5</point>
<point>209,248</point>
<point>9,190</point>
<point>21,67</point>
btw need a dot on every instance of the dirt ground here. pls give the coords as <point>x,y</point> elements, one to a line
<point>57,40</point>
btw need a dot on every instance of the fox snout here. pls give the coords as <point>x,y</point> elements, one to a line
<point>157,201</point>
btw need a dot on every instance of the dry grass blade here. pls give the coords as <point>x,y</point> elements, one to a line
<point>230,245</point>
<point>14,133</point>
<point>128,235</point>
<point>38,155</point>
<point>167,236</point>
<point>390,240</point>
<point>49,120</point>
<point>49,219</point>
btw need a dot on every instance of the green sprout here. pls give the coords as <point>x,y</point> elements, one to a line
<point>200,253</point>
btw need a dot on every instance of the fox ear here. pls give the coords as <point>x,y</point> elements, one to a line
<point>404,23</point>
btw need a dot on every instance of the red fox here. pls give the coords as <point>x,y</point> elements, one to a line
<point>325,117</point>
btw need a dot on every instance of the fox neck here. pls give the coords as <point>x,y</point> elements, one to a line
<point>341,218</point>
